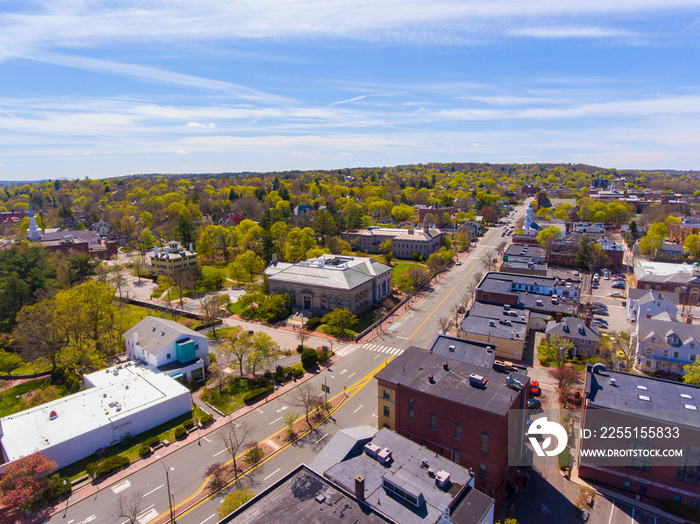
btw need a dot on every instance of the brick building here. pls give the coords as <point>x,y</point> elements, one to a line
<point>624,400</point>
<point>456,409</point>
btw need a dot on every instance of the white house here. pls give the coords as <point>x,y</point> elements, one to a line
<point>665,344</point>
<point>174,349</point>
<point>118,402</point>
<point>649,303</point>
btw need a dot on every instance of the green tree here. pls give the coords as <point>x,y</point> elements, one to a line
<point>547,237</point>
<point>692,245</point>
<point>402,212</point>
<point>9,362</point>
<point>235,500</point>
<point>41,335</point>
<point>339,322</point>
<point>186,229</point>
<point>251,262</point>
<point>554,349</point>
<point>693,373</point>
<point>309,358</point>
<point>146,240</point>
<point>237,272</point>
<point>262,352</point>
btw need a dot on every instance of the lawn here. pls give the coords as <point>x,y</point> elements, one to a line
<point>402,267</point>
<point>132,315</point>
<point>9,397</point>
<point>231,396</point>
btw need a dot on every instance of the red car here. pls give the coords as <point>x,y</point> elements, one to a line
<point>535,388</point>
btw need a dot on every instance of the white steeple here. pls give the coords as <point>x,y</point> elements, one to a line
<point>33,233</point>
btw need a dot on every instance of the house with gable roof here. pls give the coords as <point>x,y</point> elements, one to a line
<point>172,348</point>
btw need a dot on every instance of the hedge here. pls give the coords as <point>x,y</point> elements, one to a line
<point>56,489</point>
<point>180,432</point>
<point>256,393</point>
<point>187,424</point>
<point>106,466</point>
<point>144,450</point>
<point>206,419</point>
<point>313,323</point>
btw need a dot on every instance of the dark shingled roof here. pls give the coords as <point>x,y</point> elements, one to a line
<point>413,367</point>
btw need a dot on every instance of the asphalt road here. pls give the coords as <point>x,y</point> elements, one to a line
<point>417,327</point>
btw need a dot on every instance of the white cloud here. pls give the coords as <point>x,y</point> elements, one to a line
<point>570,32</point>
<point>210,125</point>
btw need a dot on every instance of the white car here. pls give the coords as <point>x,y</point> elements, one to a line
<point>617,294</point>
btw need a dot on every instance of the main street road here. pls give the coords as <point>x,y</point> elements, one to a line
<point>353,371</point>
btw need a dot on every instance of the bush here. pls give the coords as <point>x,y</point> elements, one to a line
<point>297,372</point>
<point>212,358</point>
<point>279,374</point>
<point>55,488</point>
<point>180,432</point>
<point>144,450</point>
<point>106,466</point>
<point>267,375</point>
<point>206,419</point>
<point>152,441</point>
<point>300,348</point>
<point>256,393</point>
<point>313,323</point>
<point>187,424</point>
<point>309,358</point>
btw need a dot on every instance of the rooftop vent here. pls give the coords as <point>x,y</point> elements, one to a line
<point>492,323</point>
<point>599,369</point>
<point>477,380</point>
<point>384,456</point>
<point>613,382</point>
<point>442,479</point>
<point>53,415</point>
<point>451,348</point>
<point>424,463</point>
<point>431,378</point>
<point>446,366</point>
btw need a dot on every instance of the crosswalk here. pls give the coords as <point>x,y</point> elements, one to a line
<point>346,350</point>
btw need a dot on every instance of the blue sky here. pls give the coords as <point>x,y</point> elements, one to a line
<point>107,88</point>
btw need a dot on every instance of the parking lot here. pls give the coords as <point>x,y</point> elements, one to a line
<point>617,319</point>
<point>621,513</point>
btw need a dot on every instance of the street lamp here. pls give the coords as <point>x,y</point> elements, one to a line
<point>167,481</point>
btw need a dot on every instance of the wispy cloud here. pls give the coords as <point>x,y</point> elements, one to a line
<point>570,32</point>
<point>210,125</point>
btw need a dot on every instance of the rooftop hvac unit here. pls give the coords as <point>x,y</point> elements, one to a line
<point>384,456</point>
<point>477,380</point>
<point>451,348</point>
<point>442,479</point>
<point>372,450</point>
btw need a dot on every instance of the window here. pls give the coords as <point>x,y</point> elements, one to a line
<point>386,394</point>
<point>411,407</point>
<point>675,354</point>
<point>167,356</point>
<point>484,441</point>
<point>455,457</point>
<point>482,470</point>
<point>642,489</point>
<point>689,468</point>
<point>665,352</point>
<point>677,498</point>
<point>643,463</point>
<point>387,411</point>
<point>433,422</point>
<point>458,431</point>
<point>627,484</point>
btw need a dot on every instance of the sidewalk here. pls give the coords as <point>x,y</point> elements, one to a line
<point>88,490</point>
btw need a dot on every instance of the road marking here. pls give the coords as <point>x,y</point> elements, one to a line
<point>208,518</point>
<point>280,410</point>
<point>220,452</point>
<point>276,420</point>
<point>374,415</point>
<point>343,372</point>
<point>358,409</point>
<point>612,510</point>
<point>324,436</point>
<point>147,516</point>
<point>350,376</point>
<point>89,519</point>
<point>205,438</point>
<point>153,490</point>
<point>375,358</point>
<point>118,488</point>
<point>258,410</point>
<point>272,473</point>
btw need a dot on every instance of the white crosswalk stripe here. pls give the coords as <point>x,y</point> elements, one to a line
<point>383,349</point>
<point>345,351</point>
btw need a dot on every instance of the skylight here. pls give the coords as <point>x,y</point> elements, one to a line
<point>690,407</point>
<point>644,398</point>
<point>685,395</point>
<point>642,388</point>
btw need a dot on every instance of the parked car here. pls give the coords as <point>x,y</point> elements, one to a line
<point>598,319</point>
<point>599,305</point>
<point>617,294</point>
<point>600,312</point>
<point>534,403</point>
<point>458,263</point>
<point>618,285</point>
<point>535,388</point>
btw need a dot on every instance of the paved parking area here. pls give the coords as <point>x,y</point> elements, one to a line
<point>621,513</point>
<point>617,319</point>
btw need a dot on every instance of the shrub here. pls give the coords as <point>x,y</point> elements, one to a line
<point>297,372</point>
<point>300,348</point>
<point>180,432</point>
<point>254,454</point>
<point>212,358</point>
<point>187,424</point>
<point>144,450</point>
<point>206,419</point>
<point>256,393</point>
<point>55,488</point>
<point>309,358</point>
<point>279,374</point>
<point>106,466</point>
<point>267,375</point>
<point>313,323</point>
<point>152,441</point>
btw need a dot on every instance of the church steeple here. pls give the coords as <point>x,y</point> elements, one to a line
<point>33,233</point>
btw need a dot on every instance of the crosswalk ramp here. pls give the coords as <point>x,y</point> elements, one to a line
<point>383,349</point>
<point>346,350</point>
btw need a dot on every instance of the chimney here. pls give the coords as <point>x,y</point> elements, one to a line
<point>431,379</point>
<point>191,250</point>
<point>136,339</point>
<point>360,487</point>
<point>558,316</point>
<point>445,366</point>
<point>274,258</point>
<point>588,321</point>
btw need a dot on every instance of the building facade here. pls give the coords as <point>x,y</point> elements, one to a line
<point>330,282</point>
<point>171,259</point>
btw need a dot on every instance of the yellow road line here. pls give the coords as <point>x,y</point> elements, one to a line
<point>356,386</point>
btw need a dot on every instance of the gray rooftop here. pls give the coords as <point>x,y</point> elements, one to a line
<point>414,366</point>
<point>405,470</point>
<point>346,444</point>
<point>463,350</point>
<point>304,496</point>
<point>493,327</point>
<point>492,311</point>
<point>666,403</point>
<point>648,327</point>
<point>155,334</point>
<point>330,271</point>
<point>573,327</point>
<point>643,296</point>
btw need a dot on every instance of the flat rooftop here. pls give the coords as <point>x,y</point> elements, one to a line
<point>414,366</point>
<point>664,268</point>
<point>463,350</point>
<point>34,429</point>
<point>494,328</point>
<point>668,400</point>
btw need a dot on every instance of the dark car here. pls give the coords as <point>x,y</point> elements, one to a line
<point>534,403</point>
<point>603,312</point>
